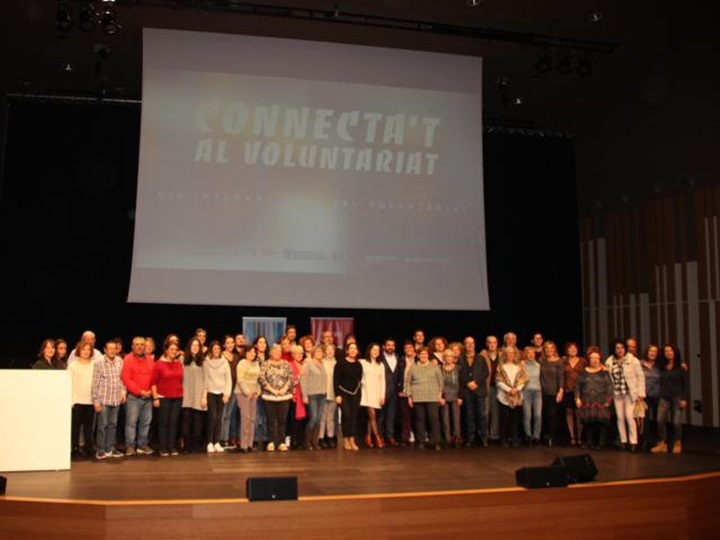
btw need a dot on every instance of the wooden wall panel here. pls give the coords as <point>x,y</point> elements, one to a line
<point>648,250</point>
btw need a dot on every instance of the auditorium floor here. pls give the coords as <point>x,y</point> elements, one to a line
<point>337,472</point>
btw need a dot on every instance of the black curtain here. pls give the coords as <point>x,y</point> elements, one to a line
<point>66,226</point>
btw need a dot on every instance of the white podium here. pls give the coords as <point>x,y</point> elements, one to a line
<point>35,415</point>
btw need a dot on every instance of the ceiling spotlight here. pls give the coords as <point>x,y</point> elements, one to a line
<point>518,101</point>
<point>473,3</point>
<point>595,16</point>
<point>108,21</point>
<point>544,62</point>
<point>87,17</point>
<point>584,65</point>
<point>63,18</point>
<point>67,67</point>
<point>564,65</point>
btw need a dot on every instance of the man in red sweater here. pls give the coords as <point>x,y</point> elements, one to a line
<point>136,375</point>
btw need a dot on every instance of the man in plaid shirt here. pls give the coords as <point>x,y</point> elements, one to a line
<point>108,393</point>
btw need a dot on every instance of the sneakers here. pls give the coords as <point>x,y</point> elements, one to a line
<point>114,454</point>
<point>660,448</point>
<point>283,447</point>
<point>130,451</point>
<point>145,450</point>
<point>164,453</point>
<point>210,448</point>
<point>174,452</point>
<point>677,448</point>
<point>270,447</point>
<point>101,455</point>
<point>219,448</point>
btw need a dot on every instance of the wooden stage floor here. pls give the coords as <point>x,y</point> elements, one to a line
<point>340,473</point>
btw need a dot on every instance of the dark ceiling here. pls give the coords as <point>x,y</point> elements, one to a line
<point>643,115</point>
<point>40,59</point>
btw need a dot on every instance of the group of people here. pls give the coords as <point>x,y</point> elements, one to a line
<point>295,393</point>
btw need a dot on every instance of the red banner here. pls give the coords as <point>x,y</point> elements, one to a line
<point>339,326</point>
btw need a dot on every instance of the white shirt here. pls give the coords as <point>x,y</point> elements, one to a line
<point>391,359</point>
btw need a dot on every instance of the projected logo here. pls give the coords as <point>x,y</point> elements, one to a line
<point>319,138</point>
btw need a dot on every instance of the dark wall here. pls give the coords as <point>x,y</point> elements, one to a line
<point>66,227</point>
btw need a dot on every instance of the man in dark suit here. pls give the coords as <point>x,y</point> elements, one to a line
<point>474,375</point>
<point>394,372</point>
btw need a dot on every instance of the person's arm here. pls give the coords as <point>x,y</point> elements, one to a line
<point>290,378</point>
<point>227,388</point>
<point>560,381</point>
<point>382,385</point>
<point>303,381</point>
<point>578,386</point>
<point>685,381</point>
<point>96,387</point>
<point>127,377</point>
<point>336,380</point>
<point>640,379</point>
<point>409,385</point>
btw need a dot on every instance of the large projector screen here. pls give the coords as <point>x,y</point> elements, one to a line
<point>278,172</point>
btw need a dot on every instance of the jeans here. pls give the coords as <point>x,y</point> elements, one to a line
<point>329,420</point>
<point>138,415</point>
<point>669,410</point>
<point>107,428</point>
<point>316,405</point>
<point>229,420</point>
<point>261,432</point>
<point>532,413</point>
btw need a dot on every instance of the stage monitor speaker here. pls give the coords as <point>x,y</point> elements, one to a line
<point>3,485</point>
<point>541,477</point>
<point>272,488</point>
<point>581,467</point>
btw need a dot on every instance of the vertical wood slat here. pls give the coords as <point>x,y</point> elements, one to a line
<point>648,249</point>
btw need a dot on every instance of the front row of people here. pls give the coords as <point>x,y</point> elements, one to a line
<point>189,388</point>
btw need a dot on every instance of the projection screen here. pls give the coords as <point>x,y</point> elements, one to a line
<point>277,172</point>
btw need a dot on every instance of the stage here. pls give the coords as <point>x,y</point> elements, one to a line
<point>389,493</point>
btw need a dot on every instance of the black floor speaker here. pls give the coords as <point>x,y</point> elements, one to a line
<point>3,485</point>
<point>272,488</point>
<point>541,477</point>
<point>580,467</point>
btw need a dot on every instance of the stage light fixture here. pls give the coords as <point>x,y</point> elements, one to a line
<point>87,17</point>
<point>518,101</point>
<point>595,16</point>
<point>63,17</point>
<point>544,62</point>
<point>109,22</point>
<point>473,3</point>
